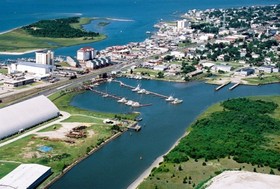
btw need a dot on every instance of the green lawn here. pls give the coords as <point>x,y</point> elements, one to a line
<point>266,79</point>
<point>3,71</point>
<point>6,167</point>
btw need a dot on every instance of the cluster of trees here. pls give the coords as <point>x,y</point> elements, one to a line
<point>186,68</point>
<point>58,28</point>
<point>206,28</point>
<point>239,131</point>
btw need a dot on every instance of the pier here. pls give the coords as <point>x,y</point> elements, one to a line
<point>221,86</point>
<point>234,86</point>
<point>147,92</point>
<point>103,94</point>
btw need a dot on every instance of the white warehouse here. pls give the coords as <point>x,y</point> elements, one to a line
<point>30,67</point>
<point>26,114</point>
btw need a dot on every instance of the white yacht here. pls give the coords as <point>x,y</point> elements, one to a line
<point>122,100</point>
<point>177,101</point>
<point>170,99</point>
<point>136,88</point>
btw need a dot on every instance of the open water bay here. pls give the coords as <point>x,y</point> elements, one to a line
<point>118,164</point>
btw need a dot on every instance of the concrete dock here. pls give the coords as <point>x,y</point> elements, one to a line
<point>234,86</point>
<point>221,86</point>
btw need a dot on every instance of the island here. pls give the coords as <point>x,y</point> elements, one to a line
<point>48,34</point>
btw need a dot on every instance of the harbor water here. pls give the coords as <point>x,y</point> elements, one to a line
<point>118,164</point>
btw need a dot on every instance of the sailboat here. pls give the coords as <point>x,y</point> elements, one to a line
<point>170,98</point>
<point>136,88</point>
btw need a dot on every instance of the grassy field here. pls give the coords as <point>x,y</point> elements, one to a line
<point>65,151</point>
<point>20,41</point>
<point>3,71</point>
<point>193,173</point>
<point>266,79</point>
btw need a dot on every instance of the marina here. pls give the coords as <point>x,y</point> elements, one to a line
<point>119,99</point>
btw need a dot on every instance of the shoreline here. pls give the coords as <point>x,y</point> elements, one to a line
<point>156,163</point>
<point>21,53</point>
<point>85,156</point>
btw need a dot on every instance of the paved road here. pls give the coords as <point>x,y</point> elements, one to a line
<point>64,116</point>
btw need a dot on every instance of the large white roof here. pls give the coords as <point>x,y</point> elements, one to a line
<point>24,176</point>
<point>26,114</point>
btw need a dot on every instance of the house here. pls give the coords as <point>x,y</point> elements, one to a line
<point>265,69</point>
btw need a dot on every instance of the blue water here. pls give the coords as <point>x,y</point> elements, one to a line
<point>143,13</point>
<point>117,165</point>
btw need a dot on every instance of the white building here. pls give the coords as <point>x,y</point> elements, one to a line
<point>29,67</point>
<point>181,24</point>
<point>86,53</point>
<point>23,115</point>
<point>25,176</point>
<point>45,57</point>
<point>224,68</point>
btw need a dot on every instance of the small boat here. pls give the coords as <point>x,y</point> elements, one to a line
<point>109,80</point>
<point>122,100</point>
<point>176,101</point>
<point>129,103</point>
<point>105,95</point>
<point>170,99</point>
<point>135,104</point>
<point>136,88</point>
<point>141,91</point>
<point>138,119</point>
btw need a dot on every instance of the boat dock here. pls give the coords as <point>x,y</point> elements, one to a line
<point>234,86</point>
<point>135,127</point>
<point>221,86</point>
<point>146,92</point>
<point>103,94</point>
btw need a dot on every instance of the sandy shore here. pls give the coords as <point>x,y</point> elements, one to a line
<point>21,53</point>
<point>156,163</point>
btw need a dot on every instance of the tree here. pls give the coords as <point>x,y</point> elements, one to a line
<point>160,75</point>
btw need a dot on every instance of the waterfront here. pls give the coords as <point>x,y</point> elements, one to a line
<point>132,26</point>
<point>118,164</point>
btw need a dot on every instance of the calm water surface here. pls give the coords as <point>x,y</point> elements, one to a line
<point>118,164</point>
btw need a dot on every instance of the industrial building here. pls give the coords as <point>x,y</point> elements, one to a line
<point>45,57</point>
<point>86,53</point>
<point>23,115</point>
<point>25,176</point>
<point>30,67</point>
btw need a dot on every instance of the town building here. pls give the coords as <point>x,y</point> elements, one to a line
<point>86,53</point>
<point>30,67</point>
<point>19,81</point>
<point>181,24</point>
<point>45,57</point>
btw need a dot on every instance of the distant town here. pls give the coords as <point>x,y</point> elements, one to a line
<point>232,45</point>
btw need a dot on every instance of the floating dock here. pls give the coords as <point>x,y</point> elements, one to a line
<point>234,86</point>
<point>221,86</point>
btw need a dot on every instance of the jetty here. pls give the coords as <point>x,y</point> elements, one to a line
<point>221,86</point>
<point>146,91</point>
<point>103,94</point>
<point>234,86</point>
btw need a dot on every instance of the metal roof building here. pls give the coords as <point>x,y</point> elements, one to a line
<point>25,176</point>
<point>26,114</point>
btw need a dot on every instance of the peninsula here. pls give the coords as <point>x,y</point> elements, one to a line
<point>48,34</point>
